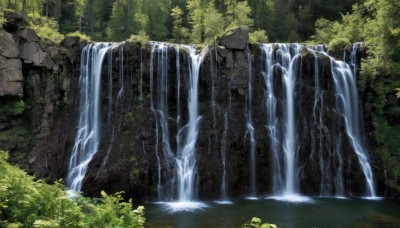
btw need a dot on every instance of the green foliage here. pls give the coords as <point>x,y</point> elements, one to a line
<point>2,20</point>
<point>238,14</point>
<point>325,31</point>
<point>46,28</point>
<point>196,19</point>
<point>11,109</point>
<point>28,203</point>
<point>140,38</point>
<point>258,36</point>
<point>82,37</point>
<point>116,20</point>
<point>180,34</point>
<point>214,24</point>
<point>338,44</point>
<point>256,223</point>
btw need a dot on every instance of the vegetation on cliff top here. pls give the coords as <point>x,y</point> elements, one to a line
<point>188,21</point>
<point>28,203</point>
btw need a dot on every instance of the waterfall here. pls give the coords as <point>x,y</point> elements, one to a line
<point>250,130</point>
<point>272,124</point>
<point>176,163</point>
<point>88,130</point>
<point>317,128</point>
<point>348,104</point>
<point>160,109</point>
<point>223,157</point>
<point>176,121</point>
<point>186,156</point>
<point>282,129</point>
<point>289,138</point>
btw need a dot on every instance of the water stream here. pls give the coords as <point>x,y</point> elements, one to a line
<point>88,130</point>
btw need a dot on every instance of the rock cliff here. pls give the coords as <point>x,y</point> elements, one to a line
<point>46,78</point>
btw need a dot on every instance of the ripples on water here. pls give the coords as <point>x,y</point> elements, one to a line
<point>317,212</point>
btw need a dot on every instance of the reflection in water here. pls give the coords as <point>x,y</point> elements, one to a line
<point>321,212</point>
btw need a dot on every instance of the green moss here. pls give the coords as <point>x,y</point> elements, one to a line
<point>338,44</point>
<point>19,139</point>
<point>11,109</point>
<point>82,37</point>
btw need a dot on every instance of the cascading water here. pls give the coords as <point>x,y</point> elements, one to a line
<point>250,131</point>
<point>317,128</point>
<point>175,145</point>
<point>289,139</point>
<point>320,135</point>
<point>160,109</point>
<point>272,118</point>
<point>282,131</point>
<point>88,130</point>
<point>348,103</point>
<point>177,171</point>
<point>186,156</point>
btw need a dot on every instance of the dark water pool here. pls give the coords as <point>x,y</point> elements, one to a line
<point>319,212</point>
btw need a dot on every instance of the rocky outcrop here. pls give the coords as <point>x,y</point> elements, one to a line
<point>236,39</point>
<point>46,77</point>
<point>37,81</point>
<point>11,78</point>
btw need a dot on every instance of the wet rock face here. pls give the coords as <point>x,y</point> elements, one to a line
<point>43,79</point>
<point>11,78</point>
<point>14,21</point>
<point>47,77</point>
<point>135,136</point>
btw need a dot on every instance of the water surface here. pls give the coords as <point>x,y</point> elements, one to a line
<point>320,212</point>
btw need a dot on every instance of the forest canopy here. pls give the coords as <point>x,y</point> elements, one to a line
<point>189,21</point>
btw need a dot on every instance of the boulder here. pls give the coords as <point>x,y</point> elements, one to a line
<point>31,52</point>
<point>229,61</point>
<point>29,35</point>
<point>236,39</point>
<point>11,78</point>
<point>70,41</point>
<point>14,21</point>
<point>54,52</point>
<point>8,47</point>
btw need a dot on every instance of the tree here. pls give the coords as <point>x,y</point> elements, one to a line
<point>238,14</point>
<point>159,18</point>
<point>180,34</point>
<point>196,18</point>
<point>214,24</point>
<point>117,25</point>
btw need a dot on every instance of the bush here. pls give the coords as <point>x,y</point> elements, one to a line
<point>28,203</point>
<point>256,223</point>
<point>258,36</point>
<point>139,38</point>
<point>82,37</point>
<point>338,44</point>
<point>14,108</point>
<point>46,28</point>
